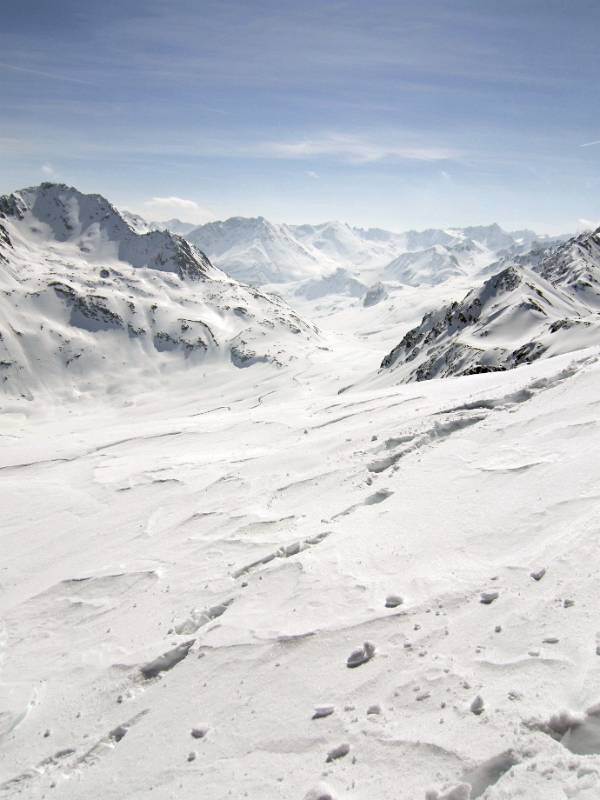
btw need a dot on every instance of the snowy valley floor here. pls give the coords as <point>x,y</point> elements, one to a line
<point>251,525</point>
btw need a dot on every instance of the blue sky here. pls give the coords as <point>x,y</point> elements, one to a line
<point>391,114</point>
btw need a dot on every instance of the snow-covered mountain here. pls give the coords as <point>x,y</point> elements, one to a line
<point>174,225</point>
<point>258,251</point>
<point>537,306</point>
<point>338,283</point>
<point>86,300</point>
<point>349,246</point>
<point>312,582</point>
<point>435,264</point>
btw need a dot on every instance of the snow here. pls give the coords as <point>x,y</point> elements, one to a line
<point>308,580</point>
<point>258,251</point>
<point>520,314</point>
<point>83,294</point>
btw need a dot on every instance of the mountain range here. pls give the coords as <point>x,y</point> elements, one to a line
<point>87,291</point>
<point>258,252</point>
<point>242,557</point>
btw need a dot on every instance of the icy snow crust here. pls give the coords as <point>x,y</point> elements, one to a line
<point>313,580</point>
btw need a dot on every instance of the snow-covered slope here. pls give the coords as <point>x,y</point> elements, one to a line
<point>256,251</point>
<point>89,304</point>
<point>312,582</point>
<point>189,581</point>
<point>338,283</point>
<point>349,246</point>
<point>434,265</point>
<point>537,307</point>
<point>174,225</point>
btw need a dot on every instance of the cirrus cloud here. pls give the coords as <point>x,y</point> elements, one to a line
<point>357,150</point>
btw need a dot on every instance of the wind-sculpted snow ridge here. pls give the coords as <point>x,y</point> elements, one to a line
<point>536,307</point>
<point>87,301</point>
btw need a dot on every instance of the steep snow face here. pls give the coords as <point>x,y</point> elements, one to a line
<point>90,227</point>
<point>519,315</point>
<point>88,305</point>
<point>349,246</point>
<point>575,267</point>
<point>431,266</point>
<point>256,251</point>
<point>174,225</point>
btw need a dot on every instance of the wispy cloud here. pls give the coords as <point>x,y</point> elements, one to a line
<point>183,209</point>
<point>310,173</point>
<point>49,171</point>
<point>356,150</point>
<point>43,74</point>
<point>590,144</point>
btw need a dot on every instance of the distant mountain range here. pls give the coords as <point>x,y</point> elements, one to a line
<point>256,251</point>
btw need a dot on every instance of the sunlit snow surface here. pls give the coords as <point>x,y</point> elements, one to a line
<point>125,523</point>
<point>299,581</point>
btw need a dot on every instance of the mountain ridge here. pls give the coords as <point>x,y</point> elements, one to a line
<point>512,318</point>
<point>82,294</point>
<point>258,251</point>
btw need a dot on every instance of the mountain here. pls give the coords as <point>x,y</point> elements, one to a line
<point>349,246</point>
<point>174,226</point>
<point>339,282</point>
<point>433,265</point>
<point>257,251</point>
<point>87,301</point>
<point>536,307</point>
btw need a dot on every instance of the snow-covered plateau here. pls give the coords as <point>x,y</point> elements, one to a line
<point>333,537</point>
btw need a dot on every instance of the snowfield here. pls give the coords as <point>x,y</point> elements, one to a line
<point>308,578</point>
